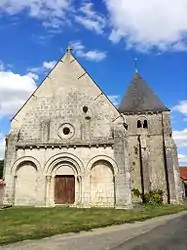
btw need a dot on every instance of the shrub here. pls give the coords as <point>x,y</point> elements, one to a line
<point>154,197</point>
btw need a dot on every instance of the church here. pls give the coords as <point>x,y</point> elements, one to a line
<point>69,145</point>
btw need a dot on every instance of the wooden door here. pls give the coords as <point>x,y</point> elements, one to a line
<point>64,189</point>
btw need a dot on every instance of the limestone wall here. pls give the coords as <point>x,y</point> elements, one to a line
<point>44,159</point>
<point>152,143</point>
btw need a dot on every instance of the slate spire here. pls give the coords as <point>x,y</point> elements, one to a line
<point>140,97</point>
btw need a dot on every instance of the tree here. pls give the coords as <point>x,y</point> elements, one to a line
<point>1,168</point>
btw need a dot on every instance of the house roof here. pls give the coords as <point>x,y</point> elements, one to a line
<point>183,173</point>
<point>140,97</point>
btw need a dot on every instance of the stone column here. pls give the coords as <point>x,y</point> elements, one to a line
<point>79,191</point>
<point>122,178</point>
<point>123,192</point>
<point>10,158</point>
<point>9,190</point>
<point>171,162</point>
<point>174,187</point>
<point>48,191</point>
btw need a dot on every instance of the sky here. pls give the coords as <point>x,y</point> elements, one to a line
<point>105,36</point>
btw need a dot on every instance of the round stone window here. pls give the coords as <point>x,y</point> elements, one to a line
<point>66,131</point>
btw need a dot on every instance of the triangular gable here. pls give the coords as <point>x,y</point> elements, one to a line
<point>67,74</point>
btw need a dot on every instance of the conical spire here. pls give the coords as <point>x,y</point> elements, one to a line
<point>140,97</point>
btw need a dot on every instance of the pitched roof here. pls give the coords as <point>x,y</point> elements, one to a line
<point>183,173</point>
<point>67,76</point>
<point>140,97</point>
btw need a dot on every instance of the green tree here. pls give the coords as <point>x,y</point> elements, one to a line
<point>1,168</point>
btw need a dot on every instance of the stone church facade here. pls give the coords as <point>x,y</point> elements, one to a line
<point>69,145</point>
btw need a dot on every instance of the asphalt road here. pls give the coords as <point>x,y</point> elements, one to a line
<point>171,236</point>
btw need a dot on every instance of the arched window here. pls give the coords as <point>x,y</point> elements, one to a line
<point>139,124</point>
<point>145,124</point>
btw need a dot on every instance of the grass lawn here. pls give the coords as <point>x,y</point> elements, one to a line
<point>30,223</point>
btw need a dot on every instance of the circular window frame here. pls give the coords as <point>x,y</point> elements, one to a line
<point>66,131</point>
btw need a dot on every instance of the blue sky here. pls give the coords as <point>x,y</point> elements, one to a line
<point>106,37</point>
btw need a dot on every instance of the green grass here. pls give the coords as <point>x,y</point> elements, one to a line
<point>18,224</point>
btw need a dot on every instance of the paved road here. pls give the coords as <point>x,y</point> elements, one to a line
<point>171,236</point>
<point>163,233</point>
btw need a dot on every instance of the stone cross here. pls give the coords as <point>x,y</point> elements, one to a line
<point>69,49</point>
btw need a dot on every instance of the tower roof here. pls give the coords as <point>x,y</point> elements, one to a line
<point>140,97</point>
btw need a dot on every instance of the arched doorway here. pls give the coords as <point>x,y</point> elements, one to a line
<point>102,184</point>
<point>26,184</point>
<point>63,169</point>
<point>64,185</point>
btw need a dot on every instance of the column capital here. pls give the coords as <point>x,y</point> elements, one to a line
<point>48,177</point>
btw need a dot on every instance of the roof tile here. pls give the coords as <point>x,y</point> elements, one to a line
<point>183,173</point>
<point>140,97</point>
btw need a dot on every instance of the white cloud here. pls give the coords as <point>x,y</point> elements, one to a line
<point>180,137</point>
<point>147,25</point>
<point>47,65</point>
<point>91,55</point>
<point>181,107</point>
<point>1,66</point>
<point>182,159</point>
<point>114,99</point>
<point>51,13</point>
<point>14,91</point>
<point>90,19</point>
<point>33,75</point>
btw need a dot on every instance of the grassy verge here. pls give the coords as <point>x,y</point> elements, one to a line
<point>31,223</point>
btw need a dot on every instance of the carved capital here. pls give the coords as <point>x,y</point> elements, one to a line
<point>48,178</point>
<point>79,177</point>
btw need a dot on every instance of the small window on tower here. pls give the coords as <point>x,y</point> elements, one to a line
<point>139,124</point>
<point>145,124</point>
